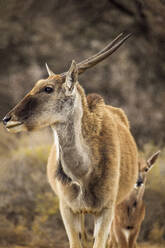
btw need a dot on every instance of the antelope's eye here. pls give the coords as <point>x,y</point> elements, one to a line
<point>146,169</point>
<point>48,89</point>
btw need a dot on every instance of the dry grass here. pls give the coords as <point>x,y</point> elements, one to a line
<point>150,245</point>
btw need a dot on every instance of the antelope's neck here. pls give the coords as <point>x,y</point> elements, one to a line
<point>73,150</point>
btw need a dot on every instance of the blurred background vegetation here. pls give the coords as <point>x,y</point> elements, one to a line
<point>56,31</point>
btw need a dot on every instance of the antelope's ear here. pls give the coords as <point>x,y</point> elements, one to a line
<point>50,73</point>
<point>71,78</point>
<point>152,159</point>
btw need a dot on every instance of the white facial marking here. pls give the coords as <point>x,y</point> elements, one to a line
<point>126,233</point>
<point>135,186</point>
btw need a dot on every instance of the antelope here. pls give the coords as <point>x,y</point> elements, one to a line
<point>130,214</point>
<point>92,164</point>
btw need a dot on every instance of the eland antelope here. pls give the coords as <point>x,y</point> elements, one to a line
<point>93,164</point>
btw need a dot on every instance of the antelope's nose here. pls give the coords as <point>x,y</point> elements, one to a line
<point>6,119</point>
<point>139,182</point>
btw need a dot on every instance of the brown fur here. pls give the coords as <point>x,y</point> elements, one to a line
<point>130,214</point>
<point>128,218</point>
<point>104,141</point>
<point>119,115</point>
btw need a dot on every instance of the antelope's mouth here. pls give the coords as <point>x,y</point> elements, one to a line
<point>12,124</point>
<point>15,126</point>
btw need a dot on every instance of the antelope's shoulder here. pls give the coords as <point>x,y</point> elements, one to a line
<point>119,115</point>
<point>102,115</point>
<point>97,106</point>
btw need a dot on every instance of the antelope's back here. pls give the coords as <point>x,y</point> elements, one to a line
<point>128,153</point>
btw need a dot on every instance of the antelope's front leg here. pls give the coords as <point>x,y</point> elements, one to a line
<point>102,226</point>
<point>111,242</point>
<point>72,225</point>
